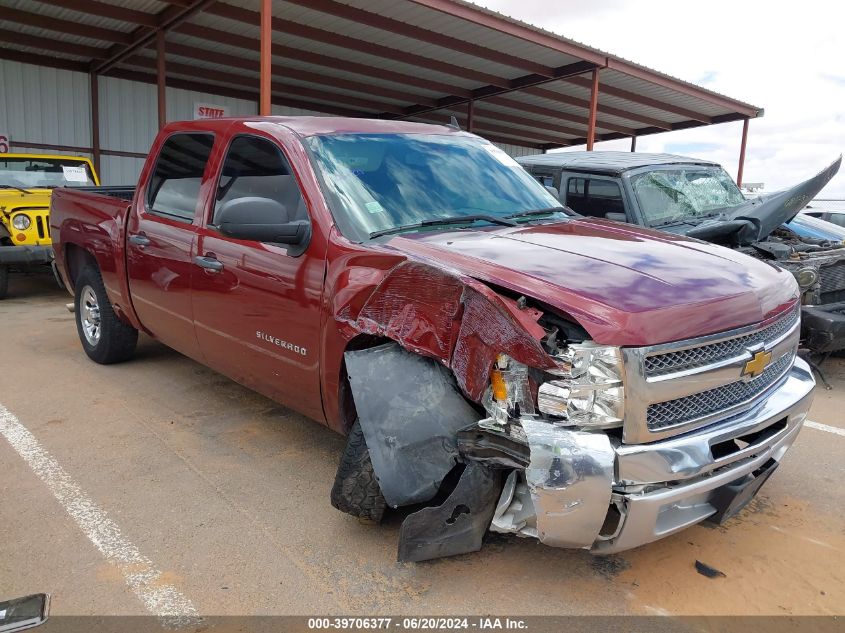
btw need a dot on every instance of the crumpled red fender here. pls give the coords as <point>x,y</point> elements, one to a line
<point>456,319</point>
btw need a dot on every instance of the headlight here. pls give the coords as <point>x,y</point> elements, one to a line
<point>806,277</point>
<point>589,391</point>
<point>21,222</point>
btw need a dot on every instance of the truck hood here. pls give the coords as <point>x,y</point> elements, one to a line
<point>755,219</point>
<point>625,285</point>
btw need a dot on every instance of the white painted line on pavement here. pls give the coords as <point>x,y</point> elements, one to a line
<point>824,427</point>
<point>159,598</point>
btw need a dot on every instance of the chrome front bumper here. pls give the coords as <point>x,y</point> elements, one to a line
<point>589,492</point>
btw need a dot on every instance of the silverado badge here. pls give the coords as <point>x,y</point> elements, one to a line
<point>757,364</point>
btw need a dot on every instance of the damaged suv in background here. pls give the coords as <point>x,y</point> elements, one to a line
<point>495,362</point>
<point>697,198</point>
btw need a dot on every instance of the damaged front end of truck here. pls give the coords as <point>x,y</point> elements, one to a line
<point>483,411</point>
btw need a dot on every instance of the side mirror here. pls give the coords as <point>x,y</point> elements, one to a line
<point>289,233</point>
<point>616,217</point>
<point>262,220</point>
<point>24,613</point>
<point>553,191</point>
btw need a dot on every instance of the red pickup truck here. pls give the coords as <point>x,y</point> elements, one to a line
<point>495,362</point>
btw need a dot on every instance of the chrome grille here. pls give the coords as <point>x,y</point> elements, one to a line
<point>670,362</point>
<point>682,410</point>
<point>832,277</point>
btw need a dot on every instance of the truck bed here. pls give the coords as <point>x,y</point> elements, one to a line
<point>124,192</point>
<point>92,220</point>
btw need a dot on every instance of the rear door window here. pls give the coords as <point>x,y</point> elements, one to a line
<point>595,197</point>
<point>175,184</point>
<point>836,218</point>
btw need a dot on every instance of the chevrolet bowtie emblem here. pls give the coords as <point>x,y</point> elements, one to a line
<point>757,364</point>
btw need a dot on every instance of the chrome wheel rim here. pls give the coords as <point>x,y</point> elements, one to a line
<point>89,313</point>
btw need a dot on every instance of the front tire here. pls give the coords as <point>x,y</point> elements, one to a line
<point>4,281</point>
<point>356,490</point>
<point>105,338</point>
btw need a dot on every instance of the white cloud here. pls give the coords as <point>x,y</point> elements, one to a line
<point>784,57</point>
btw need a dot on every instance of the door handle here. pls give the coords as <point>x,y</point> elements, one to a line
<point>211,264</point>
<point>140,240</point>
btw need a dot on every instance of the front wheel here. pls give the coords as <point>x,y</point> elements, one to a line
<point>105,338</point>
<point>356,490</point>
<point>4,281</point>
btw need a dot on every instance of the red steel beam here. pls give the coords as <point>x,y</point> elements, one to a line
<point>95,120</point>
<point>142,36</point>
<point>518,137</point>
<point>397,27</point>
<point>486,92</point>
<point>643,100</point>
<point>742,153</point>
<point>279,87</point>
<point>549,112</point>
<point>224,59</point>
<point>683,87</point>
<point>308,57</point>
<point>553,95</point>
<point>305,31</point>
<point>50,44</point>
<point>476,15</point>
<point>76,149</point>
<point>65,26</point>
<point>594,105</point>
<point>42,60</point>
<point>299,30</point>
<point>228,91</point>
<point>496,116</point>
<point>266,76</point>
<point>106,10</point>
<point>161,74</point>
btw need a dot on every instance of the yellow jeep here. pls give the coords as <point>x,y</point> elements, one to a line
<point>26,181</point>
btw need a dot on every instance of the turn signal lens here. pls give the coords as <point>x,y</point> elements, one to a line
<point>497,384</point>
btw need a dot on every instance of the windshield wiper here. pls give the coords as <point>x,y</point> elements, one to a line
<point>458,219</point>
<point>21,189</point>
<point>546,211</point>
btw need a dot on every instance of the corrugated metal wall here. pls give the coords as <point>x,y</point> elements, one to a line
<point>518,150</point>
<point>51,106</point>
<point>44,105</point>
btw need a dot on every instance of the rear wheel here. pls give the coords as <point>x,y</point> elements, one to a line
<point>105,338</point>
<point>4,281</point>
<point>356,490</point>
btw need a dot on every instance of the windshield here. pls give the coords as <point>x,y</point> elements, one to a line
<point>383,181</point>
<point>667,196</point>
<point>28,172</point>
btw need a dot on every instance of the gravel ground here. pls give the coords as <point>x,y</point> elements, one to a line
<point>224,497</point>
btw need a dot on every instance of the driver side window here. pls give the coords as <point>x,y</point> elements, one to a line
<point>254,173</point>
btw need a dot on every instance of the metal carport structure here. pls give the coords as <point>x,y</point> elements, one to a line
<point>421,60</point>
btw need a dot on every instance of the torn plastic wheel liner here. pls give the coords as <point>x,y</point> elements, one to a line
<point>410,410</point>
<point>458,525</point>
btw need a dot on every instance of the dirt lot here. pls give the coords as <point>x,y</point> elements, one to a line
<point>224,495</point>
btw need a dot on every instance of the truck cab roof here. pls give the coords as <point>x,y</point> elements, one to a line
<point>320,125</point>
<point>611,163</point>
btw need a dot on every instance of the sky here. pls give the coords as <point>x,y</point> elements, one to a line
<point>788,58</point>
